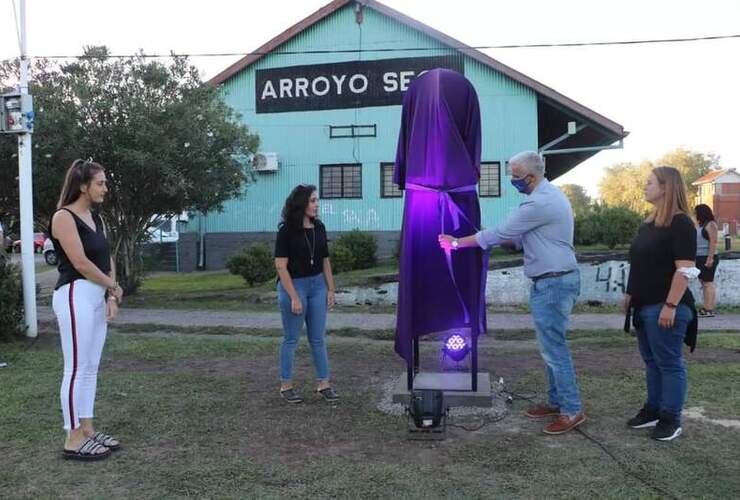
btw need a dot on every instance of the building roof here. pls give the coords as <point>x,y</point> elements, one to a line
<point>554,109</point>
<point>713,176</point>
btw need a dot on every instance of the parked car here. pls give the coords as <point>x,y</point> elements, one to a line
<point>50,255</point>
<point>38,243</point>
<point>165,229</point>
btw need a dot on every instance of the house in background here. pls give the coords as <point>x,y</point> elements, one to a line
<point>325,98</point>
<point>720,190</point>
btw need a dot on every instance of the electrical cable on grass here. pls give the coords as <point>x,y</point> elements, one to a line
<point>624,467</point>
<point>603,448</point>
<point>484,422</point>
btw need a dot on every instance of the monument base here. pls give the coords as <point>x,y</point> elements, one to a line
<point>455,386</point>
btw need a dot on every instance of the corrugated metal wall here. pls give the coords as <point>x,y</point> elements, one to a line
<point>509,115</point>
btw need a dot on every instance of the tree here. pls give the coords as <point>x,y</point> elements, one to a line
<point>53,143</point>
<point>168,141</point>
<point>579,199</point>
<point>623,184</point>
<point>692,165</point>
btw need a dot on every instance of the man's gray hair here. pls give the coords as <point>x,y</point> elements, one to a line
<point>531,160</point>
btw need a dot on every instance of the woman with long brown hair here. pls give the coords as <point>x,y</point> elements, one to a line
<point>305,288</point>
<point>86,296</point>
<point>661,264</point>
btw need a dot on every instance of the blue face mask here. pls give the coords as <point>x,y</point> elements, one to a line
<point>521,185</point>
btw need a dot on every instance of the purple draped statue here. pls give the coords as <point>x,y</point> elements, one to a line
<point>438,166</point>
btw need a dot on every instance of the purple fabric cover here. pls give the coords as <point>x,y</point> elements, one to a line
<point>439,152</point>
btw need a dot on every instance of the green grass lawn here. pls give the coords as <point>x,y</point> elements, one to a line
<point>199,416</point>
<point>222,291</point>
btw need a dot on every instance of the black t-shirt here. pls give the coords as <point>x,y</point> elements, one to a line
<point>94,243</point>
<point>305,249</point>
<point>652,259</point>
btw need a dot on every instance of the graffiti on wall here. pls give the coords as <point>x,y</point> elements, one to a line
<point>613,275</point>
<point>366,220</point>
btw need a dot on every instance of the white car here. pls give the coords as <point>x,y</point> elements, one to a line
<point>165,229</point>
<point>50,255</point>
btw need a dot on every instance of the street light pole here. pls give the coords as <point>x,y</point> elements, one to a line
<point>25,187</point>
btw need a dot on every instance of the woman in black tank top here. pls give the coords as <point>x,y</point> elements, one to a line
<point>86,296</point>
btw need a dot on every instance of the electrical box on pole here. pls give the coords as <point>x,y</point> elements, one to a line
<point>16,114</point>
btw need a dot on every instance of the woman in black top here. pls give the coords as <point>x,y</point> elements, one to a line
<point>86,296</point>
<point>305,288</point>
<point>706,260</point>
<point>661,263</point>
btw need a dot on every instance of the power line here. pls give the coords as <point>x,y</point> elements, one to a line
<point>403,49</point>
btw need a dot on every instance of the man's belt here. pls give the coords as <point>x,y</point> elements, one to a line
<point>551,275</point>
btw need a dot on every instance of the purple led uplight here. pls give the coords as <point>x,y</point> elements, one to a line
<point>456,347</point>
<point>455,343</point>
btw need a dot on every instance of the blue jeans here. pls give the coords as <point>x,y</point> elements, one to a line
<point>551,301</point>
<point>312,292</point>
<point>662,351</point>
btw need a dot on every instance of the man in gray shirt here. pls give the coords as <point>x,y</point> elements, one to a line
<point>543,227</point>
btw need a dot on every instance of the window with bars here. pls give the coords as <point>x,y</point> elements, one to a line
<point>348,131</point>
<point>340,181</point>
<point>490,179</point>
<point>388,189</point>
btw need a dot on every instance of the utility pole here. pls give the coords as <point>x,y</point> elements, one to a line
<point>25,187</point>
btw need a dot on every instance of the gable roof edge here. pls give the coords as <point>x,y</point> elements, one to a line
<point>541,89</point>
<point>274,43</point>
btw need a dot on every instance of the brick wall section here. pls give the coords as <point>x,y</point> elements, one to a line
<point>188,248</point>
<point>220,246</point>
<point>726,207</point>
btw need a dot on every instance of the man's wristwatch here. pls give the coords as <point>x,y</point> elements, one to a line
<point>455,243</point>
<point>670,305</point>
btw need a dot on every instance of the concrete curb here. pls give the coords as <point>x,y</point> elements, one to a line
<point>366,321</point>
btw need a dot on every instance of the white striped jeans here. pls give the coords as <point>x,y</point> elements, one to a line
<point>80,310</point>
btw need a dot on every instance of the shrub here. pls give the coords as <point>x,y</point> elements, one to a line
<point>341,258</point>
<point>619,225</point>
<point>362,246</point>
<point>255,264</point>
<point>11,300</point>
<point>586,229</point>
<point>397,250</point>
<point>610,226</point>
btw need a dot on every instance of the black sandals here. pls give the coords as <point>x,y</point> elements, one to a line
<point>89,450</point>
<point>108,441</point>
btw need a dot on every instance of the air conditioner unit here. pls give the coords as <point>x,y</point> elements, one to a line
<point>265,162</point>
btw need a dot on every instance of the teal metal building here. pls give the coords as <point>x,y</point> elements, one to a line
<point>325,98</point>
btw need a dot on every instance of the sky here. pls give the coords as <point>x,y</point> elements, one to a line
<point>665,95</point>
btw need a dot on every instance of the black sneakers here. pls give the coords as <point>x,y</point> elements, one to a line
<point>667,429</point>
<point>666,425</point>
<point>645,418</point>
